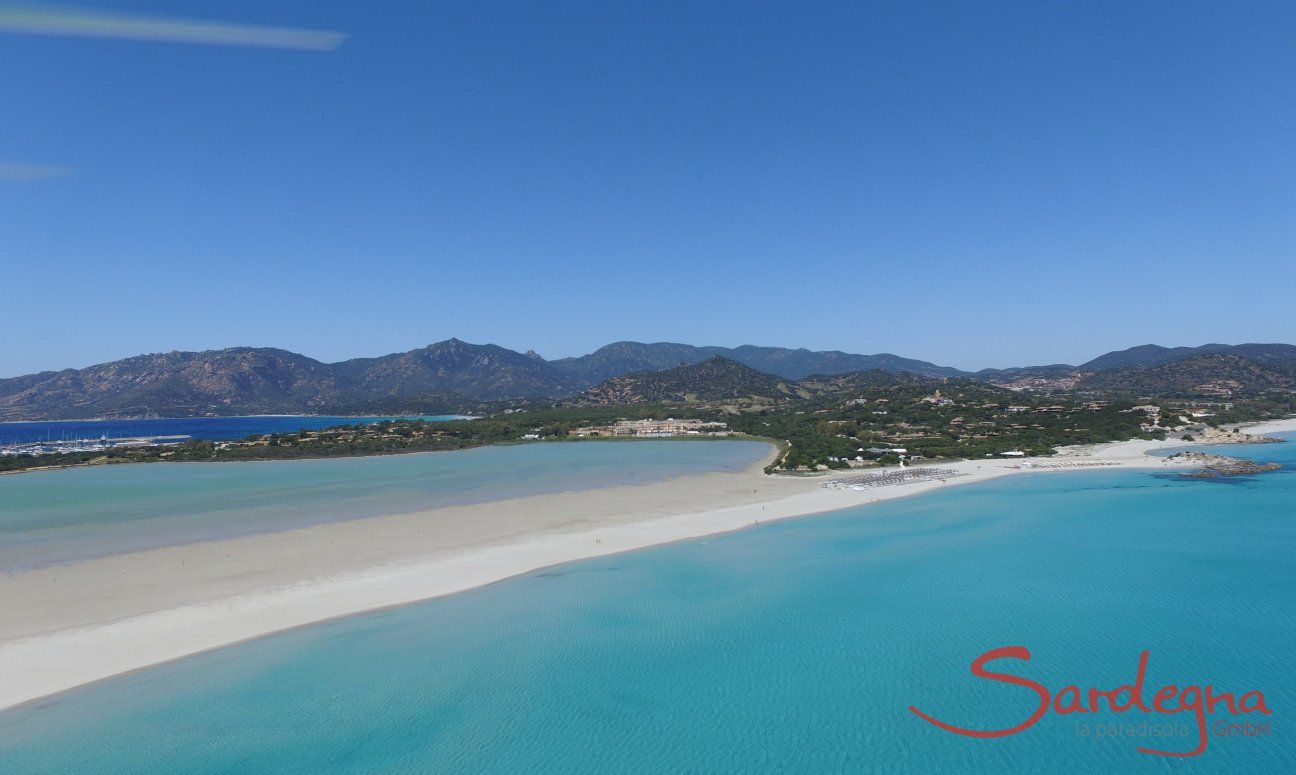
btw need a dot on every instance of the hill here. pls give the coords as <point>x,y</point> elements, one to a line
<point>456,376</point>
<point>444,377</point>
<point>448,376</point>
<point>484,372</point>
<point>1135,370</point>
<point>801,363</point>
<point>716,379</point>
<point>1148,355</point>
<point>621,358</point>
<point>1217,376</point>
<point>239,380</point>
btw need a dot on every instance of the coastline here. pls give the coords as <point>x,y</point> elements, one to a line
<point>82,623</point>
<point>233,417</point>
<point>1287,425</point>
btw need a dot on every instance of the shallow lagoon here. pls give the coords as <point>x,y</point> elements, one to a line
<point>53,517</point>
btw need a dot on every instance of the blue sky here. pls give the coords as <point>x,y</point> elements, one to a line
<point>1064,178</point>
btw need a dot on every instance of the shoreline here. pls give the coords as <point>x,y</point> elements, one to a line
<point>235,417</point>
<point>86,622</point>
<point>397,453</point>
<point>1262,427</point>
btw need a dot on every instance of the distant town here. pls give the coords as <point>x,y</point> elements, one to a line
<point>648,429</point>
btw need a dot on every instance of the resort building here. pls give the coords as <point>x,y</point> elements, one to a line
<point>654,428</point>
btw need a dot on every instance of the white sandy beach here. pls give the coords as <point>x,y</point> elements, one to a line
<point>65,626</point>
<point>1270,426</point>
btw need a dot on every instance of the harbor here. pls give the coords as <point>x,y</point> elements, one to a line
<point>102,444</point>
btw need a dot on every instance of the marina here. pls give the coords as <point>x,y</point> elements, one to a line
<point>101,444</point>
<point>39,437</point>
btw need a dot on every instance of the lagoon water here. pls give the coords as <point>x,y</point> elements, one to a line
<point>54,517</point>
<point>792,647</point>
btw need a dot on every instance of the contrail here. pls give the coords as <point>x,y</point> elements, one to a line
<point>89,23</point>
<point>11,172</point>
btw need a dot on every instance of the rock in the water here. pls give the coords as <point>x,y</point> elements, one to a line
<point>1213,466</point>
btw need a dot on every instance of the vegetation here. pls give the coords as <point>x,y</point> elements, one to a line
<point>715,379</point>
<point>836,421</point>
<point>382,438</point>
<point>957,419</point>
<point>1232,412</point>
<point>1218,376</point>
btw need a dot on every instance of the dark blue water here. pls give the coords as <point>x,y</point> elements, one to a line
<point>793,647</point>
<point>205,428</point>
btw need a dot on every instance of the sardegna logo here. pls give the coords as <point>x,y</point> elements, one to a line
<point>1170,701</point>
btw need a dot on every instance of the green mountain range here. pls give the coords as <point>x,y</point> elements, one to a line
<point>456,376</point>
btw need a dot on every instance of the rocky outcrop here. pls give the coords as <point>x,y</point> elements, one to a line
<point>1215,466</point>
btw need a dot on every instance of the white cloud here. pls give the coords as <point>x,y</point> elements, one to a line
<point>88,23</point>
<point>12,172</point>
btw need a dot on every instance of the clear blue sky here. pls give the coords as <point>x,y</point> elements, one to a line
<point>1068,177</point>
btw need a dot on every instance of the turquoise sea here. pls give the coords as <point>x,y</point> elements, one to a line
<point>54,517</point>
<point>793,647</point>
